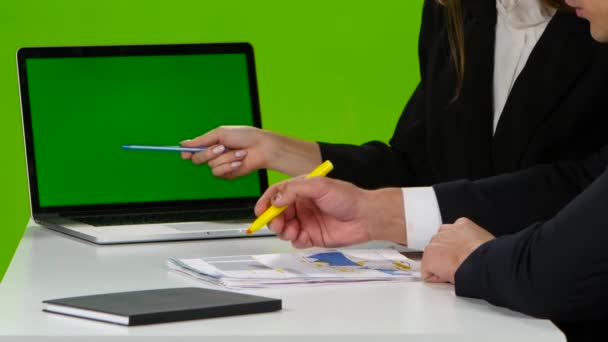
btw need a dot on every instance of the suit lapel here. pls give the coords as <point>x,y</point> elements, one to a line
<point>558,59</point>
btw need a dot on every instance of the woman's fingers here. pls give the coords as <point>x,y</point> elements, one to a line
<point>208,154</point>
<point>226,169</point>
<point>227,158</point>
<point>213,137</point>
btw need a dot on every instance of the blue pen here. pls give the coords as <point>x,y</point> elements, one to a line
<point>163,148</point>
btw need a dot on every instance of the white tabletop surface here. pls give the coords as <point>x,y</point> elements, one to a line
<point>49,265</point>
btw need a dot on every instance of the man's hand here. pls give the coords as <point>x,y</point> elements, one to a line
<point>449,248</point>
<point>327,212</point>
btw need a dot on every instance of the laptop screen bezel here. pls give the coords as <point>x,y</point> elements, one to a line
<point>132,50</point>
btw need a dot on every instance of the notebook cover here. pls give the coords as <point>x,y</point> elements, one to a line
<point>170,305</point>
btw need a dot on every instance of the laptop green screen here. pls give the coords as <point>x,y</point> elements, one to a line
<point>84,109</point>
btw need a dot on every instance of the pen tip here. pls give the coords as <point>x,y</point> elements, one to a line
<point>248,232</point>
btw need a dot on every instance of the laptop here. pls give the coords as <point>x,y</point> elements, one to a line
<point>80,105</point>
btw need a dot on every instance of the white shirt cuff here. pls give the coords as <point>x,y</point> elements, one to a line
<point>422,216</point>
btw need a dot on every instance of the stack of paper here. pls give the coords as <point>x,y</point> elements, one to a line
<point>306,267</point>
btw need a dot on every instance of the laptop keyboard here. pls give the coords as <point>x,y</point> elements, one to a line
<point>100,221</point>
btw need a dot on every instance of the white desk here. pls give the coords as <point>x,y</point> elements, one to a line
<point>50,265</point>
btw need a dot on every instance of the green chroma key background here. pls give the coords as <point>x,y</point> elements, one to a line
<point>334,71</point>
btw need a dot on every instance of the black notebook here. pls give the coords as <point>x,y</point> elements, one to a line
<point>164,305</point>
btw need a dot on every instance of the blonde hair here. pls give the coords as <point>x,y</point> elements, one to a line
<point>453,17</point>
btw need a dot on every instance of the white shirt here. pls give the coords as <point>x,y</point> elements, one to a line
<point>519,26</point>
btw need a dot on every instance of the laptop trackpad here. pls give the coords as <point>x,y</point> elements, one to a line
<point>206,226</point>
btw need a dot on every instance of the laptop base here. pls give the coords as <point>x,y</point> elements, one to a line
<point>109,235</point>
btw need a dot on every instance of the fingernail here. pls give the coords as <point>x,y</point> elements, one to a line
<point>183,141</point>
<point>219,149</point>
<point>276,197</point>
<point>235,164</point>
<point>240,154</point>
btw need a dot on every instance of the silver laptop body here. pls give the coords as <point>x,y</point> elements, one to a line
<point>79,104</point>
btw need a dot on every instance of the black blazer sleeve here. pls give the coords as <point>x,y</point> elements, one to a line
<point>556,270</point>
<point>376,164</point>
<point>506,203</point>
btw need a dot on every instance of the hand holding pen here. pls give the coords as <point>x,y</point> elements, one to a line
<point>235,151</point>
<point>231,152</point>
<point>324,212</point>
<point>250,149</point>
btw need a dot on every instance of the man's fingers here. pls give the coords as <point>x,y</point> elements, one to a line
<point>264,201</point>
<point>427,258</point>
<point>286,192</point>
<point>290,232</point>
<point>463,221</point>
<point>303,239</point>
<point>277,225</point>
<point>424,274</point>
<point>435,238</point>
<point>445,227</point>
<point>312,188</point>
<point>433,279</point>
<point>271,196</point>
<point>290,213</point>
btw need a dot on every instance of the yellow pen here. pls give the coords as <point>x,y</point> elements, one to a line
<point>273,211</point>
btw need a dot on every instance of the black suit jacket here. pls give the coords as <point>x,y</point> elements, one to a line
<point>554,111</point>
<point>556,269</point>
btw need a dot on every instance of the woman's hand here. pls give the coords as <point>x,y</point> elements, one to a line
<point>449,248</point>
<point>235,151</point>
<point>232,151</point>
<point>326,212</point>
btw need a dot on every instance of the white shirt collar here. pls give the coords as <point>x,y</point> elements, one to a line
<point>521,14</point>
